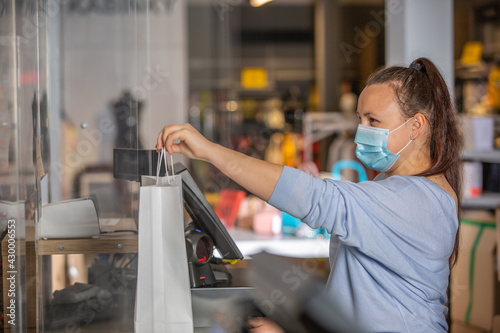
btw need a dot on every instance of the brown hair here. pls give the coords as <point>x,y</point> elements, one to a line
<point>421,88</point>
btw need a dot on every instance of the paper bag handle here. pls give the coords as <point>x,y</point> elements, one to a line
<point>163,156</point>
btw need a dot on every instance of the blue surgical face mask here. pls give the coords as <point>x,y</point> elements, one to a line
<point>371,147</point>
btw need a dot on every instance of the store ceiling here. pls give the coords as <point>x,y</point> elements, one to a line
<point>297,2</point>
<point>342,2</point>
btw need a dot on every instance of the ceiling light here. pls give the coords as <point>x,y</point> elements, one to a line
<point>258,3</point>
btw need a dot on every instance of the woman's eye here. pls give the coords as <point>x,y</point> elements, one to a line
<point>372,120</point>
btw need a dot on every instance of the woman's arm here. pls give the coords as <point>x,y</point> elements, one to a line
<point>257,176</point>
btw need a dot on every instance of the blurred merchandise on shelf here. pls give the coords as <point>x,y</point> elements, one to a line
<point>473,179</point>
<point>491,178</point>
<point>291,150</point>
<point>250,206</point>
<point>477,84</point>
<point>342,148</point>
<point>273,114</point>
<point>474,97</point>
<point>349,165</point>
<point>212,198</point>
<point>285,149</point>
<point>257,215</point>
<point>348,99</point>
<point>267,221</point>
<point>293,108</point>
<point>210,180</point>
<point>471,86</point>
<point>494,87</point>
<point>319,126</point>
<point>293,226</point>
<point>478,132</point>
<point>248,107</point>
<point>274,151</point>
<point>472,53</point>
<point>228,206</point>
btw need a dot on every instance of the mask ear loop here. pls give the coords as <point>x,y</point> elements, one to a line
<point>399,152</point>
<point>406,122</point>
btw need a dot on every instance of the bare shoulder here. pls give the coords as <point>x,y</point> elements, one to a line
<point>443,183</point>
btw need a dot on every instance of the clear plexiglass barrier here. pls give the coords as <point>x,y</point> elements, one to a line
<point>78,79</point>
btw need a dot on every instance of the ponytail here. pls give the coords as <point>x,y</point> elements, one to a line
<point>445,141</point>
<point>421,88</point>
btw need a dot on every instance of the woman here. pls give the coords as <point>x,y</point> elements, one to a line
<point>394,238</point>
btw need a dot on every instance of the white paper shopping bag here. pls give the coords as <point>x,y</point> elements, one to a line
<point>163,297</point>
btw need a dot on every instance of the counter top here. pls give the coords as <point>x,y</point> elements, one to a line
<point>251,243</point>
<point>247,241</point>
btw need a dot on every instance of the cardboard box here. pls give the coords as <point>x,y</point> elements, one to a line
<point>496,324</point>
<point>457,327</point>
<point>474,286</point>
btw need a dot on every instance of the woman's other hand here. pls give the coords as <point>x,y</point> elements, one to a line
<point>263,325</point>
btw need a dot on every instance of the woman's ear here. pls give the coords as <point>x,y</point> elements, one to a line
<point>418,124</point>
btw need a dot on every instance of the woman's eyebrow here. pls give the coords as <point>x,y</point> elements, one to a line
<point>366,114</point>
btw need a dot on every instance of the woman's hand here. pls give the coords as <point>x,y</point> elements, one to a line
<point>185,139</point>
<point>263,325</point>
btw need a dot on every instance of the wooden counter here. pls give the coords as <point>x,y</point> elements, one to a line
<point>123,243</point>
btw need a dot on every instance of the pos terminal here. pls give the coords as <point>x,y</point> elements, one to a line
<point>204,231</point>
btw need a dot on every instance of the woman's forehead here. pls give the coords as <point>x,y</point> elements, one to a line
<point>378,99</point>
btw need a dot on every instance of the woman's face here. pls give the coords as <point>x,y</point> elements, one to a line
<point>377,107</point>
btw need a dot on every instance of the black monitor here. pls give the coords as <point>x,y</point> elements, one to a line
<point>131,164</point>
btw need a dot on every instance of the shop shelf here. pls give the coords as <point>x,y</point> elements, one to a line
<point>487,201</point>
<point>489,156</point>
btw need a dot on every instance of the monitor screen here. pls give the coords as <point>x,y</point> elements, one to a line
<point>131,164</point>
<point>204,216</point>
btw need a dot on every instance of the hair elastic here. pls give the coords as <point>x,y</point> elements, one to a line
<point>416,66</point>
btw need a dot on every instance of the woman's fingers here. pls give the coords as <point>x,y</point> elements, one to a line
<point>264,325</point>
<point>255,322</point>
<point>190,142</point>
<point>181,134</point>
<point>164,135</point>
